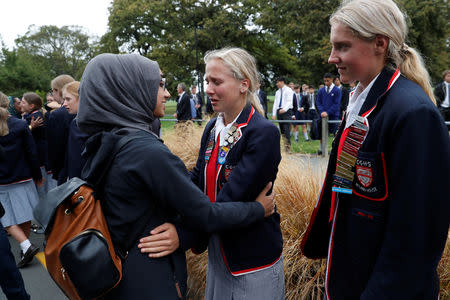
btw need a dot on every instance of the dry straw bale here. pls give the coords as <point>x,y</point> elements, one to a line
<point>296,188</point>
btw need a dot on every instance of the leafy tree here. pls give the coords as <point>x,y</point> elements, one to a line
<point>20,73</point>
<point>302,26</point>
<point>64,50</point>
<point>175,33</point>
<point>429,32</point>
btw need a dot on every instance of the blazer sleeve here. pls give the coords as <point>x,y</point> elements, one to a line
<point>184,108</point>
<point>319,101</point>
<point>168,181</point>
<point>336,101</point>
<point>31,152</point>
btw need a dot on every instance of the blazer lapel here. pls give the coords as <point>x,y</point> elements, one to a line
<point>379,88</point>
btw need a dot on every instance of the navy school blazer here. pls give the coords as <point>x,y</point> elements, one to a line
<point>21,161</point>
<point>250,164</point>
<point>384,240</point>
<point>39,136</point>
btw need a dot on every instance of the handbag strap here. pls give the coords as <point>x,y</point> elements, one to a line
<point>119,145</point>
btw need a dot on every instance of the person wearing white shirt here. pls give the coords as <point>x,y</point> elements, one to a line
<point>282,108</point>
<point>441,92</point>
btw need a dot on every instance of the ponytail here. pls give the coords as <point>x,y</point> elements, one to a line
<point>367,18</point>
<point>254,101</point>
<point>4,114</point>
<point>412,67</point>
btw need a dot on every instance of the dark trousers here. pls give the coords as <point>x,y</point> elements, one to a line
<point>445,112</point>
<point>10,278</point>
<point>285,128</point>
<point>199,115</point>
<point>332,127</point>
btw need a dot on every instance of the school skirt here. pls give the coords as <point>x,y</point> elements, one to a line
<point>222,285</point>
<point>18,200</point>
<point>49,183</point>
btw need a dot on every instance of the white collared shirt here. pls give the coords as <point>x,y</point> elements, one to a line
<point>446,102</point>
<point>331,88</point>
<point>181,95</point>
<point>311,97</point>
<point>286,101</point>
<point>222,129</point>
<point>356,101</point>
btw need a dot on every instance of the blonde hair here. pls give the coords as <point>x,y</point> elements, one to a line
<point>4,114</point>
<point>72,88</point>
<point>367,18</point>
<point>242,66</point>
<point>60,81</point>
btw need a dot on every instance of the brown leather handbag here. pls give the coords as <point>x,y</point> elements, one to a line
<point>79,254</point>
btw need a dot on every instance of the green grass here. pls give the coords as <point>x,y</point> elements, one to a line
<point>301,146</point>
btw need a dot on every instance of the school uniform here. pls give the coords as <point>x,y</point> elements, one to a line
<point>39,136</point>
<point>239,175</point>
<point>57,132</point>
<point>385,239</point>
<point>18,193</point>
<point>75,147</point>
<point>184,107</point>
<point>301,101</point>
<point>284,101</point>
<point>329,101</point>
<point>137,197</point>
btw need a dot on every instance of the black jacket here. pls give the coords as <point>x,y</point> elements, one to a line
<point>57,132</point>
<point>184,108</point>
<point>439,93</point>
<point>21,161</point>
<point>40,137</point>
<point>387,237</point>
<point>146,186</point>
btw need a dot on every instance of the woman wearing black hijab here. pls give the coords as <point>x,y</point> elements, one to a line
<point>146,184</point>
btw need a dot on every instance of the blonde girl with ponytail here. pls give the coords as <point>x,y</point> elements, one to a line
<point>382,217</point>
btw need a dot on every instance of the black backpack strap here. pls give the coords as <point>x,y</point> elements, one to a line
<point>119,145</point>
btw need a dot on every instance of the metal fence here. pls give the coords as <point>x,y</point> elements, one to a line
<point>325,122</point>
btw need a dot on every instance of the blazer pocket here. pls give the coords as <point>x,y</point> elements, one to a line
<point>370,176</point>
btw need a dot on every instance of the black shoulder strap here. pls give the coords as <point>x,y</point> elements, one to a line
<point>119,145</point>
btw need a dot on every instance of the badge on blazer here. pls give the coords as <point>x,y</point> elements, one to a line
<point>228,170</point>
<point>364,175</point>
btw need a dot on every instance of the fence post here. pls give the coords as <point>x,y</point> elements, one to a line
<point>324,140</point>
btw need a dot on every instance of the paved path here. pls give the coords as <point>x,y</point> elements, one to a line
<point>38,282</point>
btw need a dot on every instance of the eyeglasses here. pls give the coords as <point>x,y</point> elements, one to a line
<point>163,83</point>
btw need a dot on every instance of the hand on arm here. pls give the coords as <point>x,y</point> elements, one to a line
<point>36,122</point>
<point>268,202</point>
<point>162,241</point>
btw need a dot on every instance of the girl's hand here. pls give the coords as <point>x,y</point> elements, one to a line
<point>268,202</point>
<point>162,241</point>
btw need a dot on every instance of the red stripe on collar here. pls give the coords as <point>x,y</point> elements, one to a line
<point>393,79</point>
<point>248,120</point>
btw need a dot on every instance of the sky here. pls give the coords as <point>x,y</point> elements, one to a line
<point>17,15</point>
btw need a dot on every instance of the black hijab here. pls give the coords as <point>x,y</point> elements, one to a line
<point>117,91</point>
